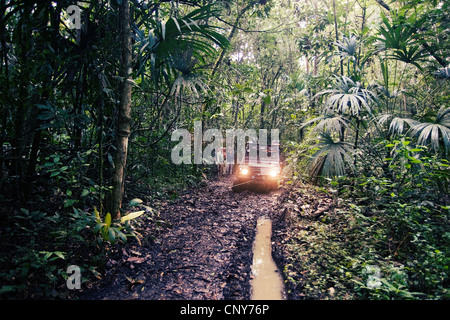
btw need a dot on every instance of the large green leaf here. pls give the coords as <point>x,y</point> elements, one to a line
<point>333,159</point>
<point>329,122</point>
<point>398,38</point>
<point>348,97</point>
<point>132,216</point>
<point>434,132</point>
<point>164,48</point>
<point>108,220</point>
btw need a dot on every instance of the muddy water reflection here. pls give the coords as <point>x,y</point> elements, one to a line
<point>267,283</point>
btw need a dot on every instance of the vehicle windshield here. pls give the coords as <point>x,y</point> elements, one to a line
<point>262,154</point>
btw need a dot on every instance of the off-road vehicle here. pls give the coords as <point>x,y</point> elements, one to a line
<point>264,171</point>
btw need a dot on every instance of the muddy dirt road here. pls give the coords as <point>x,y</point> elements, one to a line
<point>204,252</point>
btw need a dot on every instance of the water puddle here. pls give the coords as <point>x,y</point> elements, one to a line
<point>267,283</point>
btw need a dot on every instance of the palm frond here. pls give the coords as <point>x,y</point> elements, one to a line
<point>434,132</point>
<point>398,38</point>
<point>348,97</point>
<point>163,48</point>
<point>333,159</point>
<point>443,117</point>
<point>188,82</point>
<point>396,125</point>
<point>428,133</point>
<point>442,73</point>
<point>330,123</point>
<point>348,47</point>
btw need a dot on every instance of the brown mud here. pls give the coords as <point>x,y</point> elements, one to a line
<point>204,252</point>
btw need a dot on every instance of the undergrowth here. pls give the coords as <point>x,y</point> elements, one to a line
<point>370,244</point>
<point>59,226</point>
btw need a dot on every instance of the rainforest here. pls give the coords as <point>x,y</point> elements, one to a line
<point>118,121</point>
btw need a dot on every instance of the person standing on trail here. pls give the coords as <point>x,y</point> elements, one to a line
<point>220,161</point>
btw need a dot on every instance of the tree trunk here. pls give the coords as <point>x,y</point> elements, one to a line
<point>336,32</point>
<point>233,31</point>
<point>124,118</point>
<point>355,146</point>
<point>261,116</point>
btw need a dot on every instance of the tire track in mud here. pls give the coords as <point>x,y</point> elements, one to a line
<point>205,254</point>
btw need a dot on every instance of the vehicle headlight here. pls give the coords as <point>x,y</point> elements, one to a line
<point>244,170</point>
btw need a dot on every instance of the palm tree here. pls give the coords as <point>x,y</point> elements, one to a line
<point>349,49</point>
<point>169,40</point>
<point>346,100</point>
<point>348,97</point>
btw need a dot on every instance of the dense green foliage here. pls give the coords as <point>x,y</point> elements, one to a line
<point>358,89</point>
<point>379,143</point>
